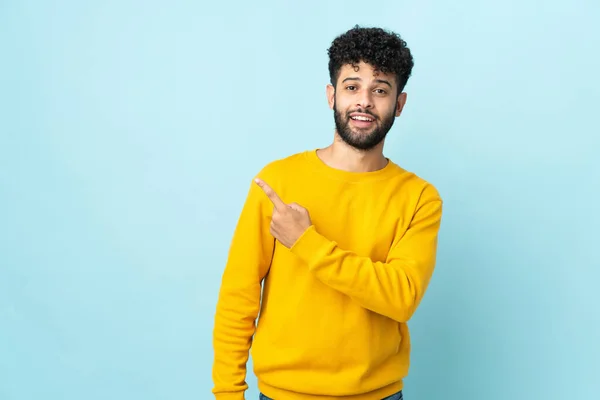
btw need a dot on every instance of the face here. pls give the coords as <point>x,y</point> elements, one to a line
<point>365,104</point>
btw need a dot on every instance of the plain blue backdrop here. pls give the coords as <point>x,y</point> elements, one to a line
<point>130,131</point>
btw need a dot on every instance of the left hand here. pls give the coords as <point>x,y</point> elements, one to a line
<point>289,221</point>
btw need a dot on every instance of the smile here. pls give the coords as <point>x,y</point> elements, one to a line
<point>361,118</point>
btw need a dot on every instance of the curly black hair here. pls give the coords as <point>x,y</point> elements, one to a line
<point>384,50</point>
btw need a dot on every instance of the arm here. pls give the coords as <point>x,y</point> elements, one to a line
<point>392,288</point>
<point>239,297</point>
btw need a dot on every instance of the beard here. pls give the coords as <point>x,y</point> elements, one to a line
<point>362,139</point>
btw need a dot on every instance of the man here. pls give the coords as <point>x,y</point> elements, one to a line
<point>344,241</point>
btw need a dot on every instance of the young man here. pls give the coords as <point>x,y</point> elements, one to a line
<point>344,241</point>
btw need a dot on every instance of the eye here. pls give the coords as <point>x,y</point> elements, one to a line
<point>380,91</point>
<point>351,87</point>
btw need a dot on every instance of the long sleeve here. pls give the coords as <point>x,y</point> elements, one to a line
<point>392,288</point>
<point>239,297</point>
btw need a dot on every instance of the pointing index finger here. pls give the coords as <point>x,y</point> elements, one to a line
<point>275,199</point>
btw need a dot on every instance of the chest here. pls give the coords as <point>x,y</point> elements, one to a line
<point>359,219</point>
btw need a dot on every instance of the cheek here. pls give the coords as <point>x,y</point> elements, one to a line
<point>342,106</point>
<point>386,107</point>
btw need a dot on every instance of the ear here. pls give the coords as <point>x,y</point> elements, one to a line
<point>330,95</point>
<point>401,102</point>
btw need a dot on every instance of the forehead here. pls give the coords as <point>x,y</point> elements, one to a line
<point>364,71</point>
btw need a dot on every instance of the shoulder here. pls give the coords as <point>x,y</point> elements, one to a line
<point>277,173</point>
<point>277,169</point>
<point>417,187</point>
<point>285,162</point>
<point>416,198</point>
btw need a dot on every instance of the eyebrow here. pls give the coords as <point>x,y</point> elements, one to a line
<point>376,80</point>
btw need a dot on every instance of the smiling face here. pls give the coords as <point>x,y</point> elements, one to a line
<point>365,103</point>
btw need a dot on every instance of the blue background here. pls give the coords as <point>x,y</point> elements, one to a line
<point>130,130</point>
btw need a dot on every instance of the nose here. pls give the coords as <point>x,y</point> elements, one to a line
<point>364,99</point>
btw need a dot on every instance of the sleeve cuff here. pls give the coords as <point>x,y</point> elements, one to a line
<point>311,246</point>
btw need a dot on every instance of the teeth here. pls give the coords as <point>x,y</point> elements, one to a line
<point>359,118</point>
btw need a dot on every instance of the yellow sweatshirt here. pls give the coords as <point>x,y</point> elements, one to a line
<point>334,307</point>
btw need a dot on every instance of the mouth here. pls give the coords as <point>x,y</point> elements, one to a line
<point>362,120</point>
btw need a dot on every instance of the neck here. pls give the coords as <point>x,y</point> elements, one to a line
<point>342,156</point>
